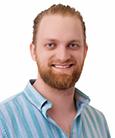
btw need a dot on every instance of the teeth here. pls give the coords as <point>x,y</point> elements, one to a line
<point>62,66</point>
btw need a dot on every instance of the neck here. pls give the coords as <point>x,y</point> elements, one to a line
<point>61,99</point>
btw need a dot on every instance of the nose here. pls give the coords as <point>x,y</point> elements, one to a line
<point>62,53</point>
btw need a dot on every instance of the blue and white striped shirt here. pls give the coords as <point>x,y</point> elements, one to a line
<point>25,116</point>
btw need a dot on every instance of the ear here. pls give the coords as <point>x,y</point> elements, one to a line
<point>33,51</point>
<point>86,49</point>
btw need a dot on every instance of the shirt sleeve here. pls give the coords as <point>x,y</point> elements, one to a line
<point>2,130</point>
<point>106,127</point>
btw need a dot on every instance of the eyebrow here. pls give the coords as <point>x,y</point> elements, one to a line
<point>50,39</point>
<point>70,41</point>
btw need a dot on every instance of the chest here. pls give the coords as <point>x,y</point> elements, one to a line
<point>37,125</point>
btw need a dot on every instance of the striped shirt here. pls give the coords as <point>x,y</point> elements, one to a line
<point>25,116</point>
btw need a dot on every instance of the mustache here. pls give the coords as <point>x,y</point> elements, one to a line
<point>58,61</point>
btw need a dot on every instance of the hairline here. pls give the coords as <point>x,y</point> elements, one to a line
<point>60,14</point>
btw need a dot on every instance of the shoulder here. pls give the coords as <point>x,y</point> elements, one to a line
<point>91,111</point>
<point>9,104</point>
<point>7,111</point>
<point>94,115</point>
<point>95,120</point>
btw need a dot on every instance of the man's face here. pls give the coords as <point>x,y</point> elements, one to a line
<point>60,51</point>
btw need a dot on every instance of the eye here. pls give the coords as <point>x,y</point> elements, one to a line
<point>74,46</point>
<point>50,45</point>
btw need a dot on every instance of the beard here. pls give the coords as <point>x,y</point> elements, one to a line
<point>58,80</point>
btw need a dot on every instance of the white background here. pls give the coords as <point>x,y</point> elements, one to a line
<point>98,77</point>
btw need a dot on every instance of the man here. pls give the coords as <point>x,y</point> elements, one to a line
<point>51,106</point>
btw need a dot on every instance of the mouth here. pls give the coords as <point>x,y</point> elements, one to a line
<point>63,66</point>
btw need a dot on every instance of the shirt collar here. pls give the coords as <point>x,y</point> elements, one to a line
<point>40,102</point>
<point>82,100</point>
<point>34,96</point>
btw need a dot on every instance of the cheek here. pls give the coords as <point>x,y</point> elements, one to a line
<point>42,59</point>
<point>79,58</point>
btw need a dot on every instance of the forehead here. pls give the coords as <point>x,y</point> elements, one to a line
<point>60,26</point>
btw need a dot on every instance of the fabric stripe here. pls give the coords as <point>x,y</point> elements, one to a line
<point>44,124</point>
<point>95,120</point>
<point>106,129</point>
<point>87,126</point>
<point>27,113</point>
<point>57,128</point>
<point>33,96</point>
<point>3,127</point>
<point>19,122</point>
<point>39,133</point>
<point>23,118</point>
<point>13,119</point>
<point>6,116</point>
<point>100,122</point>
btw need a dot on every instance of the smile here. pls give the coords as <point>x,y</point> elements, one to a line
<point>62,66</point>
